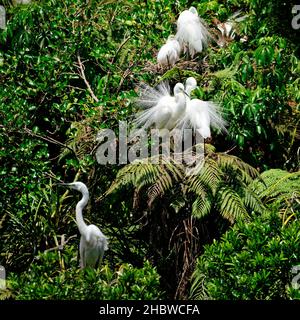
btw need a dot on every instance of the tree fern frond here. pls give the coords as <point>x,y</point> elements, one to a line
<point>177,170</point>
<point>137,173</point>
<point>211,173</point>
<point>252,201</point>
<point>277,182</point>
<point>178,203</point>
<point>209,176</point>
<point>280,190</point>
<point>169,173</point>
<point>248,173</point>
<point>201,206</point>
<point>221,181</point>
<point>163,183</point>
<point>145,173</point>
<point>231,204</point>
<point>197,186</point>
<point>209,148</point>
<point>198,289</point>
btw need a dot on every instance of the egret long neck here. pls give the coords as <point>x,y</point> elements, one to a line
<point>181,101</point>
<point>79,218</point>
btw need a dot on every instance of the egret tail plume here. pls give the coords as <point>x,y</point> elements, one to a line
<point>149,96</point>
<point>202,115</point>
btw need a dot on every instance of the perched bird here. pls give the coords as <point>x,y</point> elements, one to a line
<point>191,34</point>
<point>169,53</point>
<point>200,115</point>
<point>227,30</point>
<point>93,242</point>
<point>162,109</point>
<point>190,85</point>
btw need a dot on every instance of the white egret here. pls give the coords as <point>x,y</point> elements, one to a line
<point>163,110</point>
<point>200,115</point>
<point>93,242</point>
<point>169,53</point>
<point>190,85</point>
<point>227,29</point>
<point>191,34</point>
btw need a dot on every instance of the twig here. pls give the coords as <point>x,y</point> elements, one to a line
<point>68,190</point>
<point>48,139</point>
<point>124,76</point>
<point>113,61</point>
<point>62,243</point>
<point>83,77</point>
<point>230,149</point>
<point>119,49</point>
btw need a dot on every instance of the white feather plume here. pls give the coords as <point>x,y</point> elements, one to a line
<point>162,110</point>
<point>169,53</point>
<point>202,115</point>
<point>191,34</point>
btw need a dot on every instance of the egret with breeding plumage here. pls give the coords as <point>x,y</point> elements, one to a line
<point>163,109</point>
<point>192,34</point>
<point>169,53</point>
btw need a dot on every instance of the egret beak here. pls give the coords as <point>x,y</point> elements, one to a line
<point>185,93</point>
<point>63,184</point>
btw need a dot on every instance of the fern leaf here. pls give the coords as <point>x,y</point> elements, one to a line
<point>276,182</point>
<point>248,173</point>
<point>201,206</point>
<point>231,204</point>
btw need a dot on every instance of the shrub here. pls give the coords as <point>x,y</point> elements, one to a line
<point>47,279</point>
<point>251,261</point>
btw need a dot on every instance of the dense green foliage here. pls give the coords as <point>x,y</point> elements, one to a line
<point>69,68</point>
<point>47,279</point>
<point>254,260</point>
<point>280,191</point>
<point>251,261</point>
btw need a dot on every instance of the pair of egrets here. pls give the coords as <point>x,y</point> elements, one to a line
<point>166,111</point>
<point>191,37</point>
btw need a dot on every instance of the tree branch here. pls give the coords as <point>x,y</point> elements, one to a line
<point>83,77</point>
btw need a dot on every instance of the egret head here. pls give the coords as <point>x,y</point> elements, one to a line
<point>179,92</point>
<point>191,82</point>
<point>179,88</point>
<point>193,10</point>
<point>79,186</point>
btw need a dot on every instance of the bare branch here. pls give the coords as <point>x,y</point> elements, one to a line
<point>62,243</point>
<point>83,77</point>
